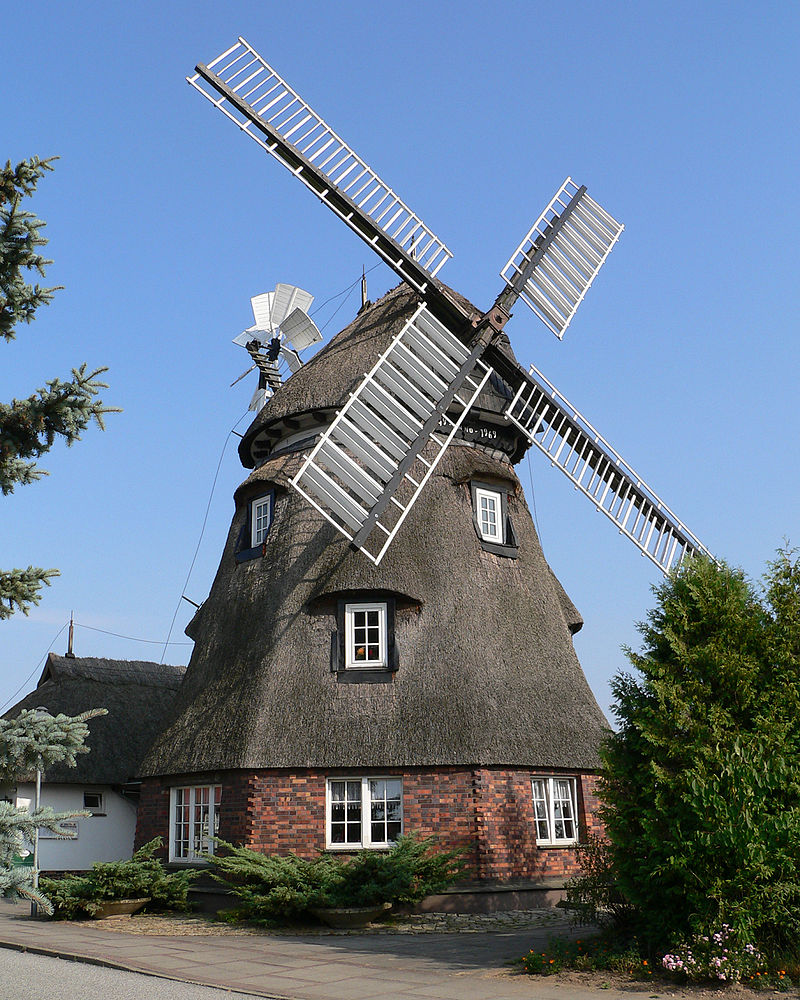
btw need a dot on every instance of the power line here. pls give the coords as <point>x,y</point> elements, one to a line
<point>231,432</point>
<point>343,292</point>
<point>132,638</point>
<point>202,532</point>
<point>36,668</point>
<point>533,502</point>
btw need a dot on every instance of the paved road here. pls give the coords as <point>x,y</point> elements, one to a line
<point>38,977</point>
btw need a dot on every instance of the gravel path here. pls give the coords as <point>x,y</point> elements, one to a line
<point>185,925</point>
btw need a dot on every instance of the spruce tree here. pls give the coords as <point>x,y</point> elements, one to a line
<point>31,742</point>
<point>62,409</point>
<point>702,779</point>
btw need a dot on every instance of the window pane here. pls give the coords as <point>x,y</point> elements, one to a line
<point>344,798</point>
<point>385,809</point>
<point>562,789</point>
<point>539,788</point>
<point>394,788</point>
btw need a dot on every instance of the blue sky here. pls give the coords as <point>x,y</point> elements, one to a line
<point>681,118</point>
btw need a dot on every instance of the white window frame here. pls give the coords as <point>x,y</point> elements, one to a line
<point>258,532</point>
<point>496,499</point>
<point>351,661</point>
<point>187,842</point>
<point>554,828</point>
<point>361,790</point>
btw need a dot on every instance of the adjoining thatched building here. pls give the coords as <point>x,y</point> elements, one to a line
<point>330,704</point>
<point>137,696</point>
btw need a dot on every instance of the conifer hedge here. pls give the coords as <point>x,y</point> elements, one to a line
<point>702,778</point>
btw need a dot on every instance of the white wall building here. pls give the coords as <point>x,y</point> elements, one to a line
<point>138,696</point>
<point>106,835</point>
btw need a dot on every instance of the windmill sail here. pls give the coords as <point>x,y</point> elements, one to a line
<point>253,95</point>
<point>592,465</point>
<point>370,465</point>
<point>300,330</point>
<point>554,265</point>
<point>367,469</point>
<point>284,328</point>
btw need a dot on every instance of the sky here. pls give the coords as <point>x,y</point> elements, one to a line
<point>163,220</point>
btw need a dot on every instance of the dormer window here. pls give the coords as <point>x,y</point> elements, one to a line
<point>260,519</point>
<point>490,517</point>
<point>253,536</point>
<point>363,647</point>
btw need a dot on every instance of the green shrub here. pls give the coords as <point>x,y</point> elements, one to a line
<point>273,888</point>
<point>142,876</point>
<point>269,886</point>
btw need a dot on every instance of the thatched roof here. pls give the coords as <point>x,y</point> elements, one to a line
<point>136,694</point>
<point>321,385</point>
<point>487,672</point>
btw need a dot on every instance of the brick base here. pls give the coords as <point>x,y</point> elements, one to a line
<point>488,811</point>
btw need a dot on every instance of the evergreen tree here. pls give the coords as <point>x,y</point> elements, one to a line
<point>29,427</point>
<point>702,780</point>
<point>31,742</point>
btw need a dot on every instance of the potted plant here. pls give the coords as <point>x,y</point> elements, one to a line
<point>116,888</point>
<point>341,892</point>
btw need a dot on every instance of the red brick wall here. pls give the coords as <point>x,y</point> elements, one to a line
<point>152,816</point>
<point>489,811</point>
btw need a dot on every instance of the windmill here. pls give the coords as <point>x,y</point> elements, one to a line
<point>281,331</point>
<point>374,459</point>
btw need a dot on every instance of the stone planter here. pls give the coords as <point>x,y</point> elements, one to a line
<point>350,916</point>
<point>118,908</point>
